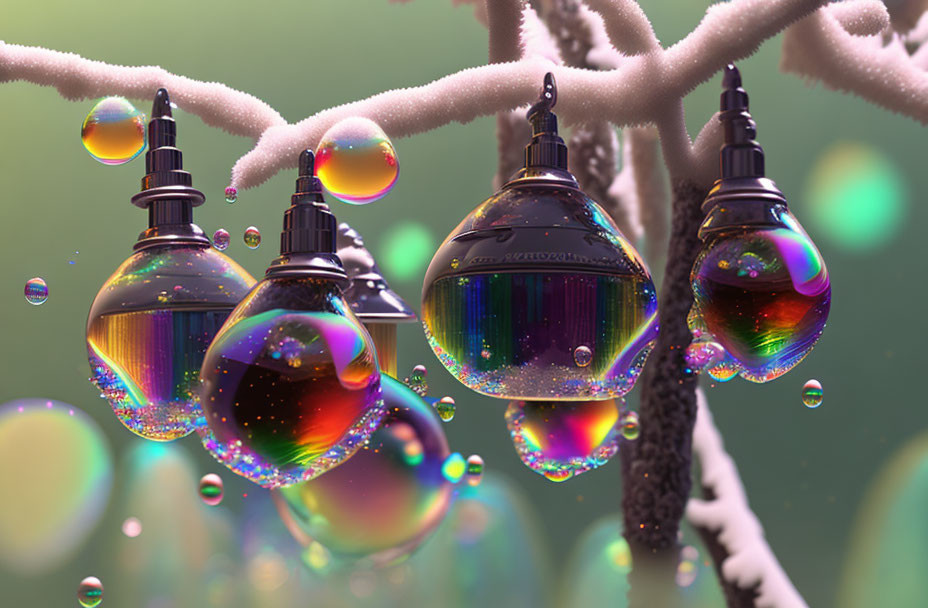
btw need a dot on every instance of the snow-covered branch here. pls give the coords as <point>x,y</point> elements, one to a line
<point>750,563</point>
<point>840,46</point>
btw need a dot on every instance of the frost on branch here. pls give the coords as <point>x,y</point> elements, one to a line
<point>726,518</point>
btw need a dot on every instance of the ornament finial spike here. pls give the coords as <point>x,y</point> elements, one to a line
<point>741,156</point>
<point>732,78</point>
<point>307,163</point>
<point>161,106</point>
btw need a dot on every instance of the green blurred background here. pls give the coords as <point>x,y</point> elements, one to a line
<point>852,172</point>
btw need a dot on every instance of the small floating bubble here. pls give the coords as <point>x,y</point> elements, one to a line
<point>252,237</point>
<point>221,239</point>
<point>36,291</point>
<point>90,592</point>
<point>416,380</point>
<point>701,354</point>
<point>630,426</point>
<point>132,527</point>
<point>114,131</point>
<point>474,472</point>
<point>812,394</point>
<point>583,356</point>
<point>231,194</point>
<point>211,490</point>
<point>445,408</point>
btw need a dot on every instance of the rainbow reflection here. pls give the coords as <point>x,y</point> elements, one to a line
<point>562,439</point>
<point>386,499</point>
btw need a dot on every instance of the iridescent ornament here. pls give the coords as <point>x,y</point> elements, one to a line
<point>211,489</point>
<point>535,277</point>
<point>153,319</point>
<point>231,194</point>
<point>474,471</point>
<point>221,239</point>
<point>812,394</point>
<point>562,439</point>
<point>356,162</point>
<point>377,306</point>
<point>252,237</point>
<point>760,286</point>
<point>445,408</point>
<point>290,384</point>
<point>386,499</point>
<point>114,131</point>
<point>90,592</point>
<point>36,291</point>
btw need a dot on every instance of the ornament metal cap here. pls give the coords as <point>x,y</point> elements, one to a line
<point>307,241</point>
<point>370,297</point>
<point>742,197</point>
<point>167,190</point>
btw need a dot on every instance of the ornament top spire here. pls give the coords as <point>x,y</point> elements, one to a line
<point>307,241</point>
<point>547,149</point>
<point>741,156</point>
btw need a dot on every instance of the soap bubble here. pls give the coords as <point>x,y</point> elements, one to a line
<point>90,592</point>
<point>416,380</point>
<point>231,194</point>
<point>445,408</point>
<point>43,524</point>
<point>36,291</point>
<point>630,426</point>
<point>812,394</point>
<point>114,131</point>
<point>252,237</point>
<point>583,356</point>
<point>211,489</point>
<point>382,502</point>
<point>454,467</point>
<point>132,527</point>
<point>221,239</point>
<point>702,354</point>
<point>356,162</point>
<point>764,296</point>
<point>560,439</point>
<point>474,471</point>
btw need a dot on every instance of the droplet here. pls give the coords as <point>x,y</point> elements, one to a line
<point>416,380</point>
<point>812,394</point>
<point>90,592</point>
<point>630,426</point>
<point>474,472</point>
<point>583,356</point>
<point>252,237</point>
<point>221,239</point>
<point>445,408</point>
<point>231,194</point>
<point>561,439</point>
<point>114,131</point>
<point>454,467</point>
<point>36,291</point>
<point>211,490</point>
<point>132,527</point>
<point>702,354</point>
<point>356,161</point>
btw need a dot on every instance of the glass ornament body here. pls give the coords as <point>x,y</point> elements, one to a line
<point>290,385</point>
<point>533,274</point>
<point>385,500</point>
<point>149,327</point>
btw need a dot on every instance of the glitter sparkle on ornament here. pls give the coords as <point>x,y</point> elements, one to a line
<point>701,354</point>
<point>211,489</point>
<point>385,500</point>
<point>356,162</point>
<point>445,408</point>
<point>764,296</point>
<point>561,439</point>
<point>231,194</point>
<point>36,291</point>
<point>90,592</point>
<point>474,471</point>
<point>812,394</point>
<point>252,237</point>
<point>221,239</point>
<point>114,131</point>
